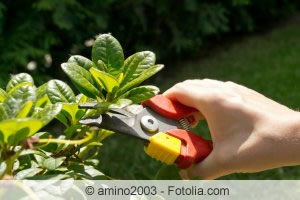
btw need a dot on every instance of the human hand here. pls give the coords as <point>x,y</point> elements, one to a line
<point>250,132</point>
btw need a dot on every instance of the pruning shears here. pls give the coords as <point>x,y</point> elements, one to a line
<point>163,125</point>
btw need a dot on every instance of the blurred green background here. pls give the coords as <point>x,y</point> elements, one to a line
<point>252,42</point>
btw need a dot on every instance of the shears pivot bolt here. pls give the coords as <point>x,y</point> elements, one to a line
<point>149,124</point>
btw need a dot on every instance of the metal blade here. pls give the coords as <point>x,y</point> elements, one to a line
<point>131,125</point>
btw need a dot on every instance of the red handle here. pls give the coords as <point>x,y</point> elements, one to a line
<point>168,108</point>
<point>194,148</point>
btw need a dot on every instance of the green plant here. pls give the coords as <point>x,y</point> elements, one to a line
<point>107,79</point>
<point>23,112</point>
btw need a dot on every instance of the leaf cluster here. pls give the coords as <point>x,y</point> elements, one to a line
<point>107,79</point>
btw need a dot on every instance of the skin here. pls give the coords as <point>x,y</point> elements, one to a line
<point>250,132</point>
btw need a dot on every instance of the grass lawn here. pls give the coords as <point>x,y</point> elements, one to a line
<point>268,63</point>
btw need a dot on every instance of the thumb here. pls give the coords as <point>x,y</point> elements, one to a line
<point>207,169</point>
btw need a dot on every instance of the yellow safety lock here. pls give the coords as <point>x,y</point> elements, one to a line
<point>164,148</point>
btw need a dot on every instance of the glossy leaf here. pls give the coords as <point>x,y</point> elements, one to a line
<point>17,79</point>
<point>3,95</point>
<point>80,98</point>
<point>53,163</point>
<point>25,110</point>
<point>72,112</point>
<point>48,113</point>
<point>42,90</point>
<point>142,93</point>
<point>62,118</point>
<point>81,78</point>
<point>18,86</point>
<point>107,49</point>
<point>71,109</point>
<point>85,171</point>
<point>17,101</point>
<point>26,173</point>
<point>43,102</point>
<point>71,130</point>
<point>105,80</point>
<point>101,65</point>
<point>3,114</point>
<point>18,128</point>
<point>136,64</point>
<point>32,151</point>
<point>121,103</point>
<point>42,98</point>
<point>81,61</point>
<point>145,75</point>
<point>134,108</point>
<point>59,92</point>
<point>39,159</point>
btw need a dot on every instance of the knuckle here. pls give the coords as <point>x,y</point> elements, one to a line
<point>226,100</point>
<point>216,97</point>
<point>206,79</point>
<point>190,81</point>
<point>178,85</point>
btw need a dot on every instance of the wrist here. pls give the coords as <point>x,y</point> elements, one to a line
<point>290,139</point>
<point>293,126</point>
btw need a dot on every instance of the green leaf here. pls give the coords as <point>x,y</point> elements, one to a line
<point>32,151</point>
<point>59,92</point>
<point>2,167</point>
<point>136,64</point>
<point>81,78</point>
<point>42,90</point>
<point>107,49</point>
<point>17,102</point>
<point>18,129</point>
<point>62,118</point>
<point>43,102</point>
<point>39,159</point>
<point>48,113</point>
<point>17,79</point>
<point>92,171</point>
<point>25,110</point>
<point>80,98</point>
<point>145,75</point>
<point>3,114</point>
<point>121,103</point>
<point>85,171</point>
<point>142,93</point>
<point>101,65</point>
<point>53,163</point>
<point>3,95</point>
<point>18,86</point>
<point>26,173</point>
<point>71,130</point>
<point>42,99</point>
<point>105,80</point>
<point>70,111</point>
<point>81,61</point>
